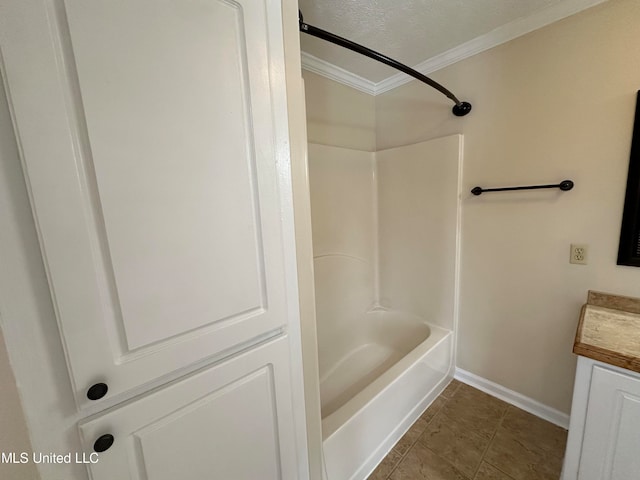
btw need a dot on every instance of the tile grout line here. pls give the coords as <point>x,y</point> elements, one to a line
<point>475,474</point>
<point>505,474</point>
<point>425,428</point>
<point>411,446</point>
<point>499,469</point>
<point>446,399</point>
<point>449,462</point>
<point>428,423</point>
<point>484,457</point>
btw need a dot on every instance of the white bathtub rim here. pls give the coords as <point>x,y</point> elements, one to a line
<point>385,447</point>
<point>368,340</point>
<point>337,420</point>
<point>344,359</point>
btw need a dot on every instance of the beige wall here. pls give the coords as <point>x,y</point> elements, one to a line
<point>342,189</point>
<point>557,103</point>
<point>339,115</point>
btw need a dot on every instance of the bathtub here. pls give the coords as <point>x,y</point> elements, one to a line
<point>380,378</point>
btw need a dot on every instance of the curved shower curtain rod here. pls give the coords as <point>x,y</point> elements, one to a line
<point>460,109</point>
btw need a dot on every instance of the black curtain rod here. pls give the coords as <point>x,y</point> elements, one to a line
<point>460,109</point>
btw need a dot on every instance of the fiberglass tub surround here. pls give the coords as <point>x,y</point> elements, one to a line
<point>385,227</point>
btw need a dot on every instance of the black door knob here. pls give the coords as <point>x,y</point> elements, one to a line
<point>97,391</point>
<point>103,443</point>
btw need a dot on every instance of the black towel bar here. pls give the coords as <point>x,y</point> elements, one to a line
<point>564,185</point>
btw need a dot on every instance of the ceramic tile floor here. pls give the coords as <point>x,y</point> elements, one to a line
<point>468,435</point>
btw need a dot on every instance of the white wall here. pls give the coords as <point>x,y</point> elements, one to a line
<point>343,217</point>
<point>30,330</point>
<point>385,233</point>
<point>304,248</point>
<point>418,227</point>
<point>13,429</point>
<point>557,103</point>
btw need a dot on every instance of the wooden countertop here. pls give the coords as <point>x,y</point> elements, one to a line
<point>609,330</point>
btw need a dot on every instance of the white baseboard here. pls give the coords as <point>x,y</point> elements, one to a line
<point>514,398</point>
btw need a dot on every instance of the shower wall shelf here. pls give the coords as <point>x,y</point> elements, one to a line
<point>564,185</point>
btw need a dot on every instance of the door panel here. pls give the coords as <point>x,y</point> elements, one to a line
<point>148,146</point>
<point>229,421</point>
<point>612,428</point>
<point>172,149</point>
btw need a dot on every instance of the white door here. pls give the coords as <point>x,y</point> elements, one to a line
<point>227,422</point>
<point>147,134</point>
<point>611,442</point>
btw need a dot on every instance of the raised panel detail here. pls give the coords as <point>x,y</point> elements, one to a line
<point>625,462</point>
<point>149,147</point>
<point>244,444</point>
<point>173,160</point>
<point>230,421</point>
<point>612,427</point>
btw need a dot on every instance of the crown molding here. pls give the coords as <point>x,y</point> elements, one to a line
<point>338,74</point>
<point>500,35</point>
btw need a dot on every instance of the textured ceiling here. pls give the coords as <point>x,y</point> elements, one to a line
<point>409,31</point>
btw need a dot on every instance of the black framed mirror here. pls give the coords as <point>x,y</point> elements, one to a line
<point>629,249</point>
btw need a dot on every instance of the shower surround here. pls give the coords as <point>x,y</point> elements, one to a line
<point>386,245</point>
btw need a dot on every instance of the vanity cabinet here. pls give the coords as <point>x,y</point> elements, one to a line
<point>604,433</point>
<point>155,148</point>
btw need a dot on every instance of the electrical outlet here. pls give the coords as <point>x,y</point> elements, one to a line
<point>578,254</point>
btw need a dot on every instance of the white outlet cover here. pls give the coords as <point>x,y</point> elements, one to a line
<point>578,253</point>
